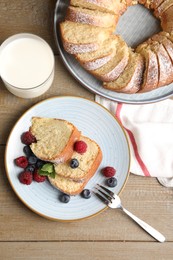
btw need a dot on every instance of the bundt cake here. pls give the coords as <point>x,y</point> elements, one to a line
<point>55,139</point>
<point>87,32</point>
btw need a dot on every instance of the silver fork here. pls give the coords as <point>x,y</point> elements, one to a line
<point>113,201</point>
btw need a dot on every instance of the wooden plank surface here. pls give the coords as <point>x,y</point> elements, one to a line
<point>109,235</point>
<point>143,196</point>
<point>33,16</point>
<point>86,251</point>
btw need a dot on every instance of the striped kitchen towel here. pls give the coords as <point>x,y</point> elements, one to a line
<point>149,130</point>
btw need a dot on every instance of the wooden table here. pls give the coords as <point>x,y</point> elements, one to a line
<point>110,235</point>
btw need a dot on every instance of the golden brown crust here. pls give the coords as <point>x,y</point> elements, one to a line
<point>167,20</point>
<point>169,27</point>
<point>142,2</point>
<point>95,165</point>
<point>163,7</point>
<point>68,150</point>
<point>147,3</point>
<point>156,3</point>
<point>168,35</point>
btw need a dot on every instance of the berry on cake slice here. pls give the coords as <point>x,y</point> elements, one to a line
<point>74,163</point>
<point>80,147</point>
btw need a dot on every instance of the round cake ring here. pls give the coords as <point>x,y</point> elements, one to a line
<point>92,83</point>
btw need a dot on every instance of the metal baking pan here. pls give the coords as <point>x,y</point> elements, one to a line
<point>135,26</point>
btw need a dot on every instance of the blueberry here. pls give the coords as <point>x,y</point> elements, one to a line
<point>32,159</point>
<point>30,168</point>
<point>40,163</point>
<point>111,182</point>
<point>27,150</point>
<point>65,198</point>
<point>74,163</point>
<point>86,194</point>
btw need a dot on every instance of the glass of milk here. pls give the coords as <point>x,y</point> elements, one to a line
<point>26,65</point>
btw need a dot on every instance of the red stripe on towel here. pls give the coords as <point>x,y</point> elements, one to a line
<point>134,144</point>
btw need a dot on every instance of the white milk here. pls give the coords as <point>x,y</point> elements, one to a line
<point>26,65</point>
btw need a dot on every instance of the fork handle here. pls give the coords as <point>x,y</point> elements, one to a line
<point>153,232</point>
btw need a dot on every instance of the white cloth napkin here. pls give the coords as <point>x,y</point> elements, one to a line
<point>149,130</point>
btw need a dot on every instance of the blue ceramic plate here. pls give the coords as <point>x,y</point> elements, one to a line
<point>95,122</point>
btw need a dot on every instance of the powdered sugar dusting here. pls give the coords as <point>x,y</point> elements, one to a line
<point>92,18</point>
<point>80,48</point>
<point>95,64</point>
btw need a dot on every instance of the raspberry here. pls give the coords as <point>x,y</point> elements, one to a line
<point>38,178</point>
<point>21,161</point>
<point>25,177</point>
<point>80,147</point>
<point>108,171</point>
<point>27,138</point>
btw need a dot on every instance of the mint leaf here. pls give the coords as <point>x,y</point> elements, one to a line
<point>52,175</point>
<point>47,171</point>
<point>48,167</point>
<point>43,173</point>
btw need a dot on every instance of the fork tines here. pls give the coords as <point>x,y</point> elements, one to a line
<point>104,194</point>
<point>108,191</point>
